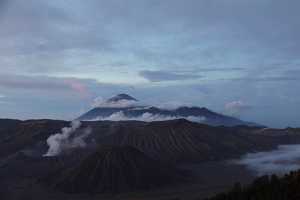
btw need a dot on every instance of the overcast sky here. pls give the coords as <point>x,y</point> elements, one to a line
<point>239,57</point>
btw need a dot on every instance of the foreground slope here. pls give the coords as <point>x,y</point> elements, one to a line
<point>185,141</point>
<point>266,188</point>
<point>175,140</point>
<point>199,148</point>
<point>113,170</point>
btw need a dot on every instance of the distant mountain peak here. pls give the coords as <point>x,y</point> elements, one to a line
<point>121,97</point>
<point>125,107</point>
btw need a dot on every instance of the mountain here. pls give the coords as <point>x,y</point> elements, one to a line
<point>125,107</point>
<point>184,141</point>
<point>113,170</point>
<point>121,97</point>
<point>174,140</point>
<point>123,155</point>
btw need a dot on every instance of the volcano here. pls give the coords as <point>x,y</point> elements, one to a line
<point>113,170</point>
<point>125,107</point>
<point>121,97</point>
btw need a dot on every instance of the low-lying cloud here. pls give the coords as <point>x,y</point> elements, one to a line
<point>282,160</point>
<point>147,117</point>
<point>67,139</point>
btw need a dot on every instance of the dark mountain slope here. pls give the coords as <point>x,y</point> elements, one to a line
<point>175,140</point>
<point>178,141</point>
<point>121,97</point>
<point>266,188</point>
<point>113,170</point>
<point>22,134</point>
<point>181,140</point>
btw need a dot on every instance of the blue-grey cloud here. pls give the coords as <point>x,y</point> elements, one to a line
<point>47,83</point>
<point>112,47</point>
<point>158,76</point>
<point>236,108</point>
<point>268,79</point>
<point>218,69</point>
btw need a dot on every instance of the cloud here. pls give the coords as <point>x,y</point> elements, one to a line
<point>220,69</point>
<point>44,83</point>
<point>235,108</point>
<point>147,117</point>
<point>110,43</point>
<point>1,99</point>
<point>268,79</point>
<point>45,37</point>
<point>159,76</point>
<point>285,159</point>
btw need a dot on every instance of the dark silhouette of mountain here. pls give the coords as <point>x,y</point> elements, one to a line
<point>266,188</point>
<point>182,140</point>
<point>120,97</point>
<point>135,111</point>
<point>18,135</point>
<point>114,170</point>
<point>175,140</point>
<point>141,144</point>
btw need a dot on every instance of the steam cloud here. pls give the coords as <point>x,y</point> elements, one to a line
<point>66,140</point>
<point>147,117</point>
<point>235,108</point>
<point>284,159</point>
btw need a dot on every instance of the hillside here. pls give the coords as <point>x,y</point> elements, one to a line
<point>175,140</point>
<point>114,170</point>
<point>141,148</point>
<point>182,140</point>
<point>266,188</point>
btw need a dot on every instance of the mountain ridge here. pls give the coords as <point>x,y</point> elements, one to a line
<point>120,97</point>
<point>138,112</point>
<point>114,169</point>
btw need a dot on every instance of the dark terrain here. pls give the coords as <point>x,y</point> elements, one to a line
<point>129,159</point>
<point>112,169</point>
<point>266,188</point>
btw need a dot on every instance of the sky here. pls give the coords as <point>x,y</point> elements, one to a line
<point>237,57</point>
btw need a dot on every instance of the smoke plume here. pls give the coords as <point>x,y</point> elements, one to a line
<point>236,108</point>
<point>67,139</point>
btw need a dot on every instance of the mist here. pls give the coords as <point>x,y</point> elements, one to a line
<point>282,160</point>
<point>147,117</point>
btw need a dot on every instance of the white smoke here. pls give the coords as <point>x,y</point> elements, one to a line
<point>147,117</point>
<point>236,108</point>
<point>66,140</point>
<point>282,160</point>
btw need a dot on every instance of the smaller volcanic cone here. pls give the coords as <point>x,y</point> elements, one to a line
<point>114,170</point>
